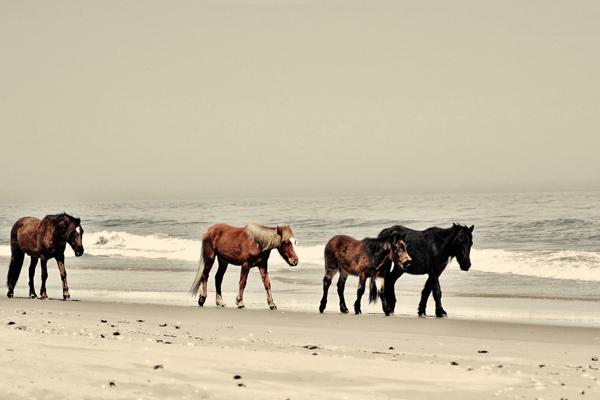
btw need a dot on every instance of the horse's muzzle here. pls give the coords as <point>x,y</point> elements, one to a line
<point>465,266</point>
<point>78,252</point>
<point>293,263</point>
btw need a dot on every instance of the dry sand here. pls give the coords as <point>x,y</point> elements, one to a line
<point>101,350</point>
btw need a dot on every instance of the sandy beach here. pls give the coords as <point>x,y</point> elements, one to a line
<point>102,350</point>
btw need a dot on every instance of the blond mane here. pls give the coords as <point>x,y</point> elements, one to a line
<point>267,238</point>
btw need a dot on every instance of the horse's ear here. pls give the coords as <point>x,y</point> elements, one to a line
<point>280,231</point>
<point>397,236</point>
<point>471,228</point>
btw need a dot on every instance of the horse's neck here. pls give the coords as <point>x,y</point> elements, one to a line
<point>270,244</point>
<point>446,240</point>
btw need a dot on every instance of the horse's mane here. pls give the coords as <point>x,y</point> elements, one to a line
<point>59,216</point>
<point>267,238</point>
<point>377,246</point>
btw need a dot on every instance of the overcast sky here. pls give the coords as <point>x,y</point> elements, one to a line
<point>111,100</point>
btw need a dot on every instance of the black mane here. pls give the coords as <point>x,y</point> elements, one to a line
<point>378,248</point>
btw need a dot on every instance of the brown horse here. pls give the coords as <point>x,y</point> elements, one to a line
<point>43,239</point>
<point>249,246</point>
<point>367,258</point>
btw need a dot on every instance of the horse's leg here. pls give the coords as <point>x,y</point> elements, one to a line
<point>362,278</point>
<point>32,266</point>
<point>60,259</point>
<point>239,300</point>
<point>437,296</point>
<point>43,293</point>
<point>14,269</point>
<point>381,293</point>
<point>389,290</point>
<point>209,259</point>
<point>218,281</point>
<point>329,274</point>
<point>265,278</point>
<point>341,284</point>
<point>425,296</point>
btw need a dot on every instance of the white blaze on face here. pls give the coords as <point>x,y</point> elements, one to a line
<point>78,230</point>
<point>293,242</point>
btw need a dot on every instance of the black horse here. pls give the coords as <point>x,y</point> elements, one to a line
<point>430,250</point>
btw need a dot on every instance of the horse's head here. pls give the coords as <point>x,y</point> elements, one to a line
<point>287,248</point>
<point>73,233</point>
<point>461,245</point>
<point>399,253</point>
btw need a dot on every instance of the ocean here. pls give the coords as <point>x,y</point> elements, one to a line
<point>535,257</point>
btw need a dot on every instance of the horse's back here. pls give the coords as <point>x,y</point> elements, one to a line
<point>422,247</point>
<point>346,253</point>
<point>341,242</point>
<point>25,234</point>
<point>228,242</point>
<point>222,231</point>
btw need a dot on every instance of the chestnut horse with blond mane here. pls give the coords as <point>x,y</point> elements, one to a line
<point>248,246</point>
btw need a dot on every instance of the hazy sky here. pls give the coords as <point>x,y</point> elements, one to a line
<point>110,100</point>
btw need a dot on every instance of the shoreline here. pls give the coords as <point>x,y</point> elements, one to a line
<point>55,348</point>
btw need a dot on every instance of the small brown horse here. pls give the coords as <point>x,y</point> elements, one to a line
<point>249,246</point>
<point>43,239</point>
<point>367,258</point>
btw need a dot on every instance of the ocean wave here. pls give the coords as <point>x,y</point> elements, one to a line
<point>123,244</point>
<point>567,264</point>
<point>162,246</point>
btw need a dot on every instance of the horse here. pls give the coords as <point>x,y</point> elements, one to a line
<point>248,246</point>
<point>431,251</point>
<point>367,258</point>
<point>43,239</point>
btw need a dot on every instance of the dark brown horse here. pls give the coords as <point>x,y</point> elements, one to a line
<point>367,258</point>
<point>43,239</point>
<point>249,246</point>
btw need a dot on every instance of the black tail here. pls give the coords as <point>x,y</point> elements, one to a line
<point>16,261</point>
<point>373,290</point>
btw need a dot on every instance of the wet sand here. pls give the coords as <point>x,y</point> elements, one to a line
<point>102,350</point>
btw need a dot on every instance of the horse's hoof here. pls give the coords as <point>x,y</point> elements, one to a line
<point>201,301</point>
<point>273,307</point>
<point>442,315</point>
<point>322,307</point>
<point>240,306</point>
<point>344,311</point>
<point>422,315</point>
<point>67,298</point>
<point>9,295</point>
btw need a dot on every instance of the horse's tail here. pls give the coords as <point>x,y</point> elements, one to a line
<point>16,260</point>
<point>196,285</point>
<point>373,290</point>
